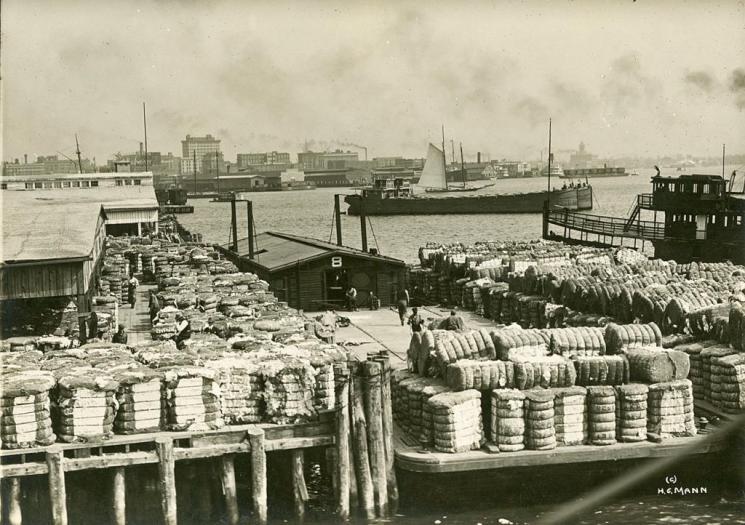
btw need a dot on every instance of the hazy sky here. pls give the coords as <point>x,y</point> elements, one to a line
<point>639,78</point>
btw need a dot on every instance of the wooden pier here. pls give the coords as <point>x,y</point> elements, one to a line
<point>175,208</point>
<point>165,449</point>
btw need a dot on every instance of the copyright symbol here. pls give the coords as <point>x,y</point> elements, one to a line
<point>671,480</point>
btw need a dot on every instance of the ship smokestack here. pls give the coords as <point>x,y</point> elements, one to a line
<point>478,157</point>
<point>25,158</point>
<point>141,149</point>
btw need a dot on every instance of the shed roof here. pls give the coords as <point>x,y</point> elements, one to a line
<point>282,250</point>
<point>61,223</point>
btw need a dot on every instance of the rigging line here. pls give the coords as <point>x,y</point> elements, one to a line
<point>375,239</point>
<point>333,221</point>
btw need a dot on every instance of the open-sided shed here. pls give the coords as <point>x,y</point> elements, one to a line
<point>312,274</point>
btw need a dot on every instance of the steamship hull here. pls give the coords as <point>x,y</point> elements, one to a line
<point>572,199</point>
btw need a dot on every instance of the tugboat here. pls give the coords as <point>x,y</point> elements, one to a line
<point>396,197</point>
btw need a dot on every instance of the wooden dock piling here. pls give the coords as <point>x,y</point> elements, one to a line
<point>342,444</point>
<point>360,452</point>
<point>299,489</point>
<point>387,411</point>
<point>258,473</point>
<point>120,496</point>
<point>57,492</point>
<point>167,479</point>
<point>14,502</point>
<point>227,476</point>
<point>375,435</point>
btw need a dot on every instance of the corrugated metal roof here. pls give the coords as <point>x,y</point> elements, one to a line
<point>280,250</point>
<point>61,223</point>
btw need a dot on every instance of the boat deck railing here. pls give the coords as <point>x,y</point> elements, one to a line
<point>605,225</point>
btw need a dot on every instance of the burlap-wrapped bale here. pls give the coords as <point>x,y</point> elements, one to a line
<point>480,375</point>
<point>468,344</point>
<point>414,391</point>
<point>427,435</point>
<point>736,327</point>
<point>84,405</point>
<point>398,397</point>
<point>696,372</point>
<point>510,343</point>
<point>601,409</point>
<point>508,419</point>
<point>457,421</point>
<point>618,337</point>
<point>631,412</point>
<point>707,354</point>
<point>650,364</point>
<point>289,390</point>
<point>241,388</point>
<point>26,416</point>
<point>670,409</point>
<point>570,415</point>
<point>192,398</point>
<point>552,371</point>
<point>727,382</point>
<point>601,369</point>
<point>540,432</point>
<point>141,400</point>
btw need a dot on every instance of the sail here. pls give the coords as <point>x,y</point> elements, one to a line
<point>433,174</point>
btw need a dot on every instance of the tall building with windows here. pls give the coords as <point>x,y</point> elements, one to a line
<point>261,159</point>
<point>199,147</point>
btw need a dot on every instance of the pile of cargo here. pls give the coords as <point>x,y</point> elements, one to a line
<point>544,283</point>
<point>549,387</point>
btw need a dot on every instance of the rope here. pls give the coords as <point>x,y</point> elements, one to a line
<point>333,221</point>
<point>375,239</point>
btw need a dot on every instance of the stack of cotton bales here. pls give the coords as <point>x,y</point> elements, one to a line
<point>192,398</point>
<point>540,432</point>
<point>480,375</point>
<point>141,400</point>
<point>457,421</point>
<point>26,419</point>
<point>427,434</point>
<point>618,337</point>
<point>570,415</point>
<point>631,412</point>
<point>85,404</point>
<point>288,390</point>
<point>508,419</point>
<point>545,372</point>
<point>601,403</point>
<point>601,369</point>
<point>728,382</point>
<point>707,354</point>
<point>670,409</point>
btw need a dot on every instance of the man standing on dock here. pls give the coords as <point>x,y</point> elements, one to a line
<point>416,320</point>
<point>352,298</point>
<point>132,285</point>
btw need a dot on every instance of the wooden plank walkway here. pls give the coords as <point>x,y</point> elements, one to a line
<point>137,320</point>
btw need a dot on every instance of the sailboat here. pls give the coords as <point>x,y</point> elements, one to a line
<point>434,177</point>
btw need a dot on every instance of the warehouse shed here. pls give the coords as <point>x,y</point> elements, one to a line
<point>312,275</point>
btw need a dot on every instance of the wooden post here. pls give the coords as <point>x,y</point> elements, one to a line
<point>233,223</point>
<point>227,471</point>
<point>120,496</point>
<point>14,505</point>
<point>258,473</point>
<point>167,479</point>
<point>299,489</point>
<point>375,436</point>
<point>361,460</point>
<point>342,447</point>
<point>57,492</point>
<point>387,410</point>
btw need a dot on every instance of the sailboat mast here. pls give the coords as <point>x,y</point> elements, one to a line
<point>144,122</point>
<point>549,162</point>
<point>444,162</point>
<point>462,165</point>
<point>77,150</point>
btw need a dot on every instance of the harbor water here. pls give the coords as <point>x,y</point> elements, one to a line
<point>310,213</point>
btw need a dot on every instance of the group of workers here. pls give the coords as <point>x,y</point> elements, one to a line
<point>415,320</point>
<point>573,185</point>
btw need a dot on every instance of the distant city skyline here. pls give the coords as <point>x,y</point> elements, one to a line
<point>641,79</point>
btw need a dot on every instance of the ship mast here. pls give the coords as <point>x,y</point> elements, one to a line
<point>444,162</point>
<point>77,150</point>
<point>462,166</point>
<point>144,122</point>
<point>550,155</point>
